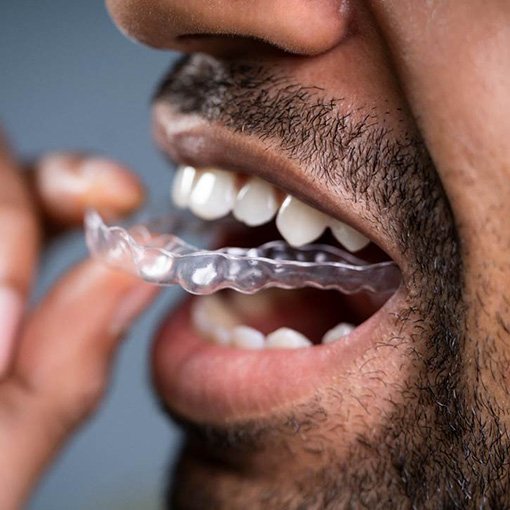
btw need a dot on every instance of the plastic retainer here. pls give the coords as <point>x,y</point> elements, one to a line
<point>166,259</point>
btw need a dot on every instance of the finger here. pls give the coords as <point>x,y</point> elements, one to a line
<point>18,224</point>
<point>67,184</point>
<point>19,240</point>
<point>61,369</point>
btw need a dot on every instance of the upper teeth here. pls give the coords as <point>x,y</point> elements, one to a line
<point>183,184</point>
<point>256,203</point>
<point>298,223</point>
<point>213,193</point>
<point>349,237</point>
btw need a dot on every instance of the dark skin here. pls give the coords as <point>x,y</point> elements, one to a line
<point>417,216</point>
<point>430,82</point>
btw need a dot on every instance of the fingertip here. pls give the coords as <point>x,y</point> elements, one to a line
<point>132,304</point>
<point>95,285</point>
<point>68,184</point>
<point>91,276</point>
<point>93,282</point>
<point>11,312</point>
<point>113,189</point>
<point>77,327</point>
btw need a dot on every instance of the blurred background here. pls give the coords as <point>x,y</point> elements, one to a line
<point>70,80</point>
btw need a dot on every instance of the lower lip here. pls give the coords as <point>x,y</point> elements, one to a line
<point>209,383</point>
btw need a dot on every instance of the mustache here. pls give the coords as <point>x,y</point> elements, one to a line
<point>348,148</point>
<point>343,147</point>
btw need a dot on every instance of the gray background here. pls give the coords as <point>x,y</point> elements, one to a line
<point>69,80</point>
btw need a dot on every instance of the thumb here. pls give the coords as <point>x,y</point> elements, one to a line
<point>60,371</point>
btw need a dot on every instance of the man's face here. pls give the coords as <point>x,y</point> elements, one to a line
<point>393,118</point>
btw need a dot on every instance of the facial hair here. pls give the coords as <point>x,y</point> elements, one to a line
<point>441,443</point>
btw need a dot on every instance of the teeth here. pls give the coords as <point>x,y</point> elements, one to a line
<point>348,237</point>
<point>247,338</point>
<point>298,223</point>
<point>213,194</point>
<point>182,185</point>
<point>256,203</point>
<point>212,319</point>
<point>286,338</point>
<point>339,331</point>
<point>221,336</point>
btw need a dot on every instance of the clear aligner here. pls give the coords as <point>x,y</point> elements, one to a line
<point>166,259</point>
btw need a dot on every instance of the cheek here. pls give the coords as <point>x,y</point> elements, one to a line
<point>456,77</point>
<point>358,75</point>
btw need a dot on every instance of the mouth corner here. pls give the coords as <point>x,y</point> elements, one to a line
<point>235,353</point>
<point>253,338</point>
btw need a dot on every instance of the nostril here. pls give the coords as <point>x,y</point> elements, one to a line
<point>227,45</point>
<point>298,26</point>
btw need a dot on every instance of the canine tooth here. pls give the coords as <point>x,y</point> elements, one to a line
<point>183,185</point>
<point>348,237</point>
<point>247,338</point>
<point>256,203</point>
<point>210,316</point>
<point>200,317</point>
<point>336,333</point>
<point>220,336</point>
<point>213,194</point>
<point>286,338</point>
<point>298,223</point>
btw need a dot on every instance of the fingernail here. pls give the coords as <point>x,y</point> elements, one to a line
<point>131,306</point>
<point>111,188</point>
<point>11,311</point>
<point>75,182</point>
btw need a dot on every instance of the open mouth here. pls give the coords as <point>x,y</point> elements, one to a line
<point>274,319</point>
<point>239,351</point>
<point>283,228</point>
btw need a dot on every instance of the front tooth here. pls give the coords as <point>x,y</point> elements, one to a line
<point>339,331</point>
<point>183,185</point>
<point>246,338</point>
<point>256,203</point>
<point>286,338</point>
<point>298,223</point>
<point>348,237</point>
<point>213,194</point>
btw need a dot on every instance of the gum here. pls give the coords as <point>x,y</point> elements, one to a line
<point>166,259</point>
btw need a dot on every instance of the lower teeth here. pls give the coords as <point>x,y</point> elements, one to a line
<point>212,318</point>
<point>166,259</point>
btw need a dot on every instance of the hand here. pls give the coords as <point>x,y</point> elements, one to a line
<point>55,359</point>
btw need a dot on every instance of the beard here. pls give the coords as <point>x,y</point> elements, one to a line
<point>440,443</point>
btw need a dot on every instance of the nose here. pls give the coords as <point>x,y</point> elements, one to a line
<point>299,26</point>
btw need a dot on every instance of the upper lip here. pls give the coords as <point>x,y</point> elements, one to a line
<point>186,366</point>
<point>193,140</point>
